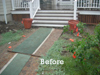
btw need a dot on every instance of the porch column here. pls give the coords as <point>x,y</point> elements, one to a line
<point>75,9</point>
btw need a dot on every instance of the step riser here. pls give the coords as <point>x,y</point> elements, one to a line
<point>53,18</point>
<point>54,15</point>
<point>48,22</point>
<point>46,25</point>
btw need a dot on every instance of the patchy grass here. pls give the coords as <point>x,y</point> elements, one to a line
<point>10,36</point>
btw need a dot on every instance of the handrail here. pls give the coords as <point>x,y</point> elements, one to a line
<point>88,3</point>
<point>32,0</point>
<point>20,4</point>
<point>34,7</point>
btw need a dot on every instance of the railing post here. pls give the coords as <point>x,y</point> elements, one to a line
<point>75,9</point>
<point>30,8</point>
<point>13,4</point>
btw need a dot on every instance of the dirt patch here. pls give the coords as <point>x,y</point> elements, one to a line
<point>11,26</point>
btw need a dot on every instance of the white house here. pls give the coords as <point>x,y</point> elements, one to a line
<point>55,13</point>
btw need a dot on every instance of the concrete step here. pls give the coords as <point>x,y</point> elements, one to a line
<point>50,25</point>
<point>49,22</point>
<point>54,15</point>
<point>53,18</point>
<point>54,11</point>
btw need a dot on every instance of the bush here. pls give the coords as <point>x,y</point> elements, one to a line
<point>86,56</point>
<point>66,28</point>
<point>97,32</point>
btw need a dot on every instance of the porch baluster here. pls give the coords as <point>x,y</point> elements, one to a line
<point>81,3</point>
<point>99,3</point>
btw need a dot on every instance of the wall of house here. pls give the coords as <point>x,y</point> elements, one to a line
<point>1,7</point>
<point>8,9</point>
<point>8,6</point>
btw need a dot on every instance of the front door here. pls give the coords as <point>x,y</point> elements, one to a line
<point>64,2</point>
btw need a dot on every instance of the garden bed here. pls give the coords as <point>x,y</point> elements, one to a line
<point>77,61</point>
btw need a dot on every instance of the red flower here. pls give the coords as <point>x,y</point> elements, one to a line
<point>78,34</point>
<point>76,29</point>
<point>74,56</point>
<point>74,52</point>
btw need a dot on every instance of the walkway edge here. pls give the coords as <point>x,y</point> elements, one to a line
<point>43,42</point>
<point>8,63</point>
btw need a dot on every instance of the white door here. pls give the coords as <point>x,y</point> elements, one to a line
<point>65,2</point>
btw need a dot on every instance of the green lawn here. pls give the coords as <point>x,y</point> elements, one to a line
<point>10,36</point>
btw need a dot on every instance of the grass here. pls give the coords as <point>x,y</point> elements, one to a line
<point>10,36</point>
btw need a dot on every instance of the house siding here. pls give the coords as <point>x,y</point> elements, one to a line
<point>8,9</point>
<point>1,7</point>
<point>8,6</point>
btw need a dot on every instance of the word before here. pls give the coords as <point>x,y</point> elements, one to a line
<point>51,61</point>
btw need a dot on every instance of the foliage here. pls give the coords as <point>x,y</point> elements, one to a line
<point>97,32</point>
<point>87,56</point>
<point>80,25</point>
<point>66,28</point>
<point>10,36</point>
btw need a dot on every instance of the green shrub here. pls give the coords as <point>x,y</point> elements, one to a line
<point>66,28</point>
<point>97,31</point>
<point>87,56</point>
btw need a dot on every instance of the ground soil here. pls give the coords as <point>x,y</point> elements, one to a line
<point>11,26</point>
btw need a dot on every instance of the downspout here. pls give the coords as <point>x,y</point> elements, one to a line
<point>5,11</point>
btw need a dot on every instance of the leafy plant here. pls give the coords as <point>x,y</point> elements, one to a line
<point>80,25</point>
<point>97,31</point>
<point>66,28</point>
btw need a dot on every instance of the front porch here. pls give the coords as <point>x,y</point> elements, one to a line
<point>84,11</point>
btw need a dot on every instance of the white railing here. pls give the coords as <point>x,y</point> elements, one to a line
<point>34,6</point>
<point>20,4</point>
<point>75,9</point>
<point>88,3</point>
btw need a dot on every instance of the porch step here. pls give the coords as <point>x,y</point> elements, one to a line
<point>54,12</point>
<point>49,25</point>
<point>50,22</point>
<point>53,18</point>
<point>53,15</point>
